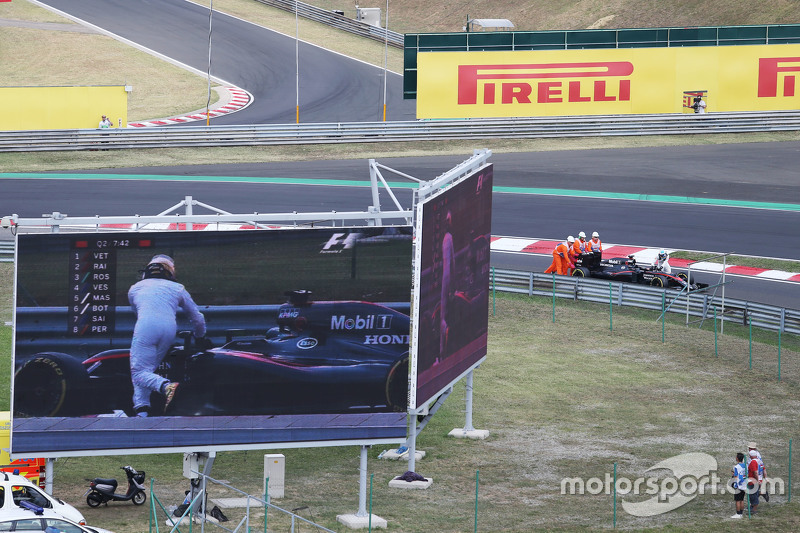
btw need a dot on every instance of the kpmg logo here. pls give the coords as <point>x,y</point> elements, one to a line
<point>545,83</point>
<point>771,70</point>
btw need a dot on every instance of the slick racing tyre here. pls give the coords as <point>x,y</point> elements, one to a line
<point>93,500</point>
<point>581,272</point>
<point>139,498</point>
<point>50,384</point>
<point>657,281</point>
<point>684,276</point>
<point>397,385</point>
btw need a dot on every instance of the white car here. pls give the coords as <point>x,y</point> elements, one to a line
<point>43,521</point>
<point>17,492</point>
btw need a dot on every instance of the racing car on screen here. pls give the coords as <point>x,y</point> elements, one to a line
<point>626,269</point>
<point>320,357</point>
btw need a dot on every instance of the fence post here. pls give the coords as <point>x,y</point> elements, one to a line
<point>663,315</point>
<point>494,296</point>
<point>477,483</point>
<point>266,502</point>
<point>779,354</point>
<point>614,492</point>
<point>554,297</point>
<point>716,348</point>
<point>610,306</point>
<point>370,501</point>
<point>750,325</point>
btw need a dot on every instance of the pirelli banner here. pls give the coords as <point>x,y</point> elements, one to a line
<point>606,81</point>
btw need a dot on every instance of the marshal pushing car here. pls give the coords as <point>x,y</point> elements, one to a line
<point>321,357</point>
<point>627,270</point>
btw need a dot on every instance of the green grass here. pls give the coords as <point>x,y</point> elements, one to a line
<point>568,399</point>
<point>741,260</point>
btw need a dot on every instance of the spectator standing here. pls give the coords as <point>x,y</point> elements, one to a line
<point>739,484</point>
<point>104,123</point>
<point>754,479</point>
<point>751,447</point>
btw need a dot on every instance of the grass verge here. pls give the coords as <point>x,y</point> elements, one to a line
<point>562,400</point>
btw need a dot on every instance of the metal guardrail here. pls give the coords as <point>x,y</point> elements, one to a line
<point>6,251</point>
<point>340,22</point>
<point>416,131</point>
<point>701,305</point>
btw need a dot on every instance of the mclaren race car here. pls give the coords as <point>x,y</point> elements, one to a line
<point>626,269</point>
<point>321,357</point>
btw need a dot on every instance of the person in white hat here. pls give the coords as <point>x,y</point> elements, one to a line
<point>751,447</point>
<point>155,301</point>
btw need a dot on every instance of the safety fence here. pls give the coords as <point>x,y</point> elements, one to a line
<point>700,305</point>
<point>338,21</point>
<point>250,513</point>
<point>6,252</point>
<point>407,131</point>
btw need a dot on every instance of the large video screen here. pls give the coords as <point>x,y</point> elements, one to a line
<point>453,283</point>
<point>223,340</point>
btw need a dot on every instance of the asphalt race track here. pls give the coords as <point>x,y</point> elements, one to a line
<point>644,196</point>
<point>333,88</point>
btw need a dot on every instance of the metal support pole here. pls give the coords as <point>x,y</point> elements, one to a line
<point>468,422</point>
<point>554,297</point>
<point>412,442</point>
<point>48,475</point>
<point>610,307</point>
<point>362,483</point>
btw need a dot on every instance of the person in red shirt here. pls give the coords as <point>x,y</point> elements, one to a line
<point>754,479</point>
<point>561,258</point>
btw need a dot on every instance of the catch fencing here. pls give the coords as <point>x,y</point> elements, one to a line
<point>340,22</point>
<point>699,305</point>
<point>408,131</point>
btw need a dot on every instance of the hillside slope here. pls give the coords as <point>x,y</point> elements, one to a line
<point>423,16</point>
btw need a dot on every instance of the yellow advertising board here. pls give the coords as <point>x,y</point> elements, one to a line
<point>606,81</point>
<point>55,108</point>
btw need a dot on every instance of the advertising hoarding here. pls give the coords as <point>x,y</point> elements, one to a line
<point>53,108</point>
<point>606,81</point>
<point>317,353</point>
<point>454,263</point>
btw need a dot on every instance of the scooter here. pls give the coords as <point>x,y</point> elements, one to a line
<point>105,490</point>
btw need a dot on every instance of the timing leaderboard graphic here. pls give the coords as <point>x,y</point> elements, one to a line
<point>308,331</point>
<point>93,283</point>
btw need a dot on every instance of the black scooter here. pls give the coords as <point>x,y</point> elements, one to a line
<point>105,490</point>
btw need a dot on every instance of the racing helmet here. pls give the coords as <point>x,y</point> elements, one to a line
<point>570,239</point>
<point>582,235</point>
<point>160,266</point>
<point>662,255</point>
<point>595,234</point>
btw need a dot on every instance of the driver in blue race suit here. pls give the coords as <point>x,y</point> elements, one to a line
<point>155,301</point>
